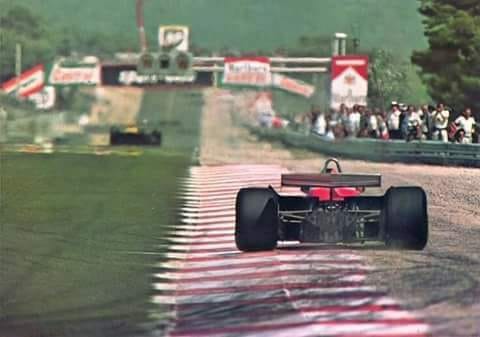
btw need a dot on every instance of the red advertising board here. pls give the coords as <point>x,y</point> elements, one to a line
<point>247,71</point>
<point>28,83</point>
<point>349,81</point>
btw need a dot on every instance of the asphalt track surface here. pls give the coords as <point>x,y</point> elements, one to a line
<point>442,282</point>
<point>296,290</point>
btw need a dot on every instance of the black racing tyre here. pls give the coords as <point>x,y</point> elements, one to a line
<point>406,218</point>
<point>256,219</point>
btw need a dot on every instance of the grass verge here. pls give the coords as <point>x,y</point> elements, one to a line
<point>74,227</point>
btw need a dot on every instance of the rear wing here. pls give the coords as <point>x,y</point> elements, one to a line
<point>332,180</point>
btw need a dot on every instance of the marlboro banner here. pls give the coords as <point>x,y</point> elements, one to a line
<point>349,81</point>
<point>292,85</point>
<point>74,74</point>
<point>28,83</point>
<point>247,71</point>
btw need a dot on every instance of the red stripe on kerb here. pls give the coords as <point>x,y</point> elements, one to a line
<point>353,295</point>
<point>243,256</point>
<point>266,287</point>
<point>265,327</point>
<point>272,274</point>
<point>241,265</point>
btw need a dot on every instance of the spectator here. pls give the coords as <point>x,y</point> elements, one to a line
<point>393,122</point>
<point>412,124</point>
<point>355,119</point>
<point>349,123</point>
<point>372,124</point>
<point>334,119</point>
<point>466,127</point>
<point>426,117</point>
<point>382,126</point>
<point>440,123</point>
<point>319,124</point>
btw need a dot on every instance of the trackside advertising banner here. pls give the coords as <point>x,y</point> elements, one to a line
<point>75,74</point>
<point>253,71</point>
<point>292,85</point>
<point>349,81</point>
<point>28,83</point>
<point>44,99</point>
<point>174,37</point>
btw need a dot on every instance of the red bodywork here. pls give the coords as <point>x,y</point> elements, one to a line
<point>335,194</point>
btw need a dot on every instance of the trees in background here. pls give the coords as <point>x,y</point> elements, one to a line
<point>387,79</point>
<point>451,66</point>
<point>19,25</point>
<point>42,42</point>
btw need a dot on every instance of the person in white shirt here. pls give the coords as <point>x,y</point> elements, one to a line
<point>412,124</point>
<point>393,122</point>
<point>354,119</point>
<point>372,123</point>
<point>320,125</point>
<point>440,123</point>
<point>466,124</point>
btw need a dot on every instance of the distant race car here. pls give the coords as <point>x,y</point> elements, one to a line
<point>332,210</point>
<point>134,135</point>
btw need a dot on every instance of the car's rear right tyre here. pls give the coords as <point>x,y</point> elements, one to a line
<point>406,218</point>
<point>256,219</point>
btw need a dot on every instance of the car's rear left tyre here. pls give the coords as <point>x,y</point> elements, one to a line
<point>256,219</point>
<point>406,218</point>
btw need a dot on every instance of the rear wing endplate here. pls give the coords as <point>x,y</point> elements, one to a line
<point>332,180</point>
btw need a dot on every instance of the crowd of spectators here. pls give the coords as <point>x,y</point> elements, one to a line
<point>399,122</point>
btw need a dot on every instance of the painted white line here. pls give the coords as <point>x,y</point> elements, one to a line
<point>221,194</point>
<point>228,219</point>
<point>207,209</point>
<point>203,213</point>
<point>163,299</point>
<point>235,176</point>
<point>202,203</point>
<point>229,173</point>
<point>199,228</point>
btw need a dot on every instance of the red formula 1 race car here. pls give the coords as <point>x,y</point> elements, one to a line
<point>332,210</point>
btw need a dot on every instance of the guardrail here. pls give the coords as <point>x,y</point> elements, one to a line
<point>426,152</point>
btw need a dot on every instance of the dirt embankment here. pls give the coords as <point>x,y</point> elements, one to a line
<point>443,281</point>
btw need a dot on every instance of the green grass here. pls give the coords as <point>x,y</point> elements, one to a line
<point>68,225</point>
<point>176,113</point>
<point>248,24</point>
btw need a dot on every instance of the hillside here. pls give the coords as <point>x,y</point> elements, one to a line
<point>248,24</point>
